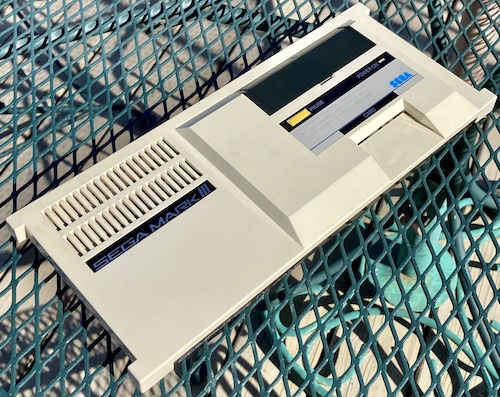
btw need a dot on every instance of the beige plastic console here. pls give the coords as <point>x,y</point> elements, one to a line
<point>172,235</point>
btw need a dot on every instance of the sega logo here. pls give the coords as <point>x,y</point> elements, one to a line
<point>402,78</point>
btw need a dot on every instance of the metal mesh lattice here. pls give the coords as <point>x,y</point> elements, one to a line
<point>402,301</point>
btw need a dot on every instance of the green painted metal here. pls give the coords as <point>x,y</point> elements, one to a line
<point>80,78</point>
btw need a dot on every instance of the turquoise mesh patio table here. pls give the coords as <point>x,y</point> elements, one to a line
<point>81,79</point>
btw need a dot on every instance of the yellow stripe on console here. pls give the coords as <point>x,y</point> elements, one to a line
<point>298,117</point>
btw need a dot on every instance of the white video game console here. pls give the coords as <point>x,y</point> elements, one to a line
<point>172,235</point>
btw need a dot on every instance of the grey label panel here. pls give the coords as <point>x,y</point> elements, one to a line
<point>324,128</point>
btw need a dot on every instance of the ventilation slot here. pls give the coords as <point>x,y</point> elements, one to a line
<point>107,185</point>
<point>128,209</point>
